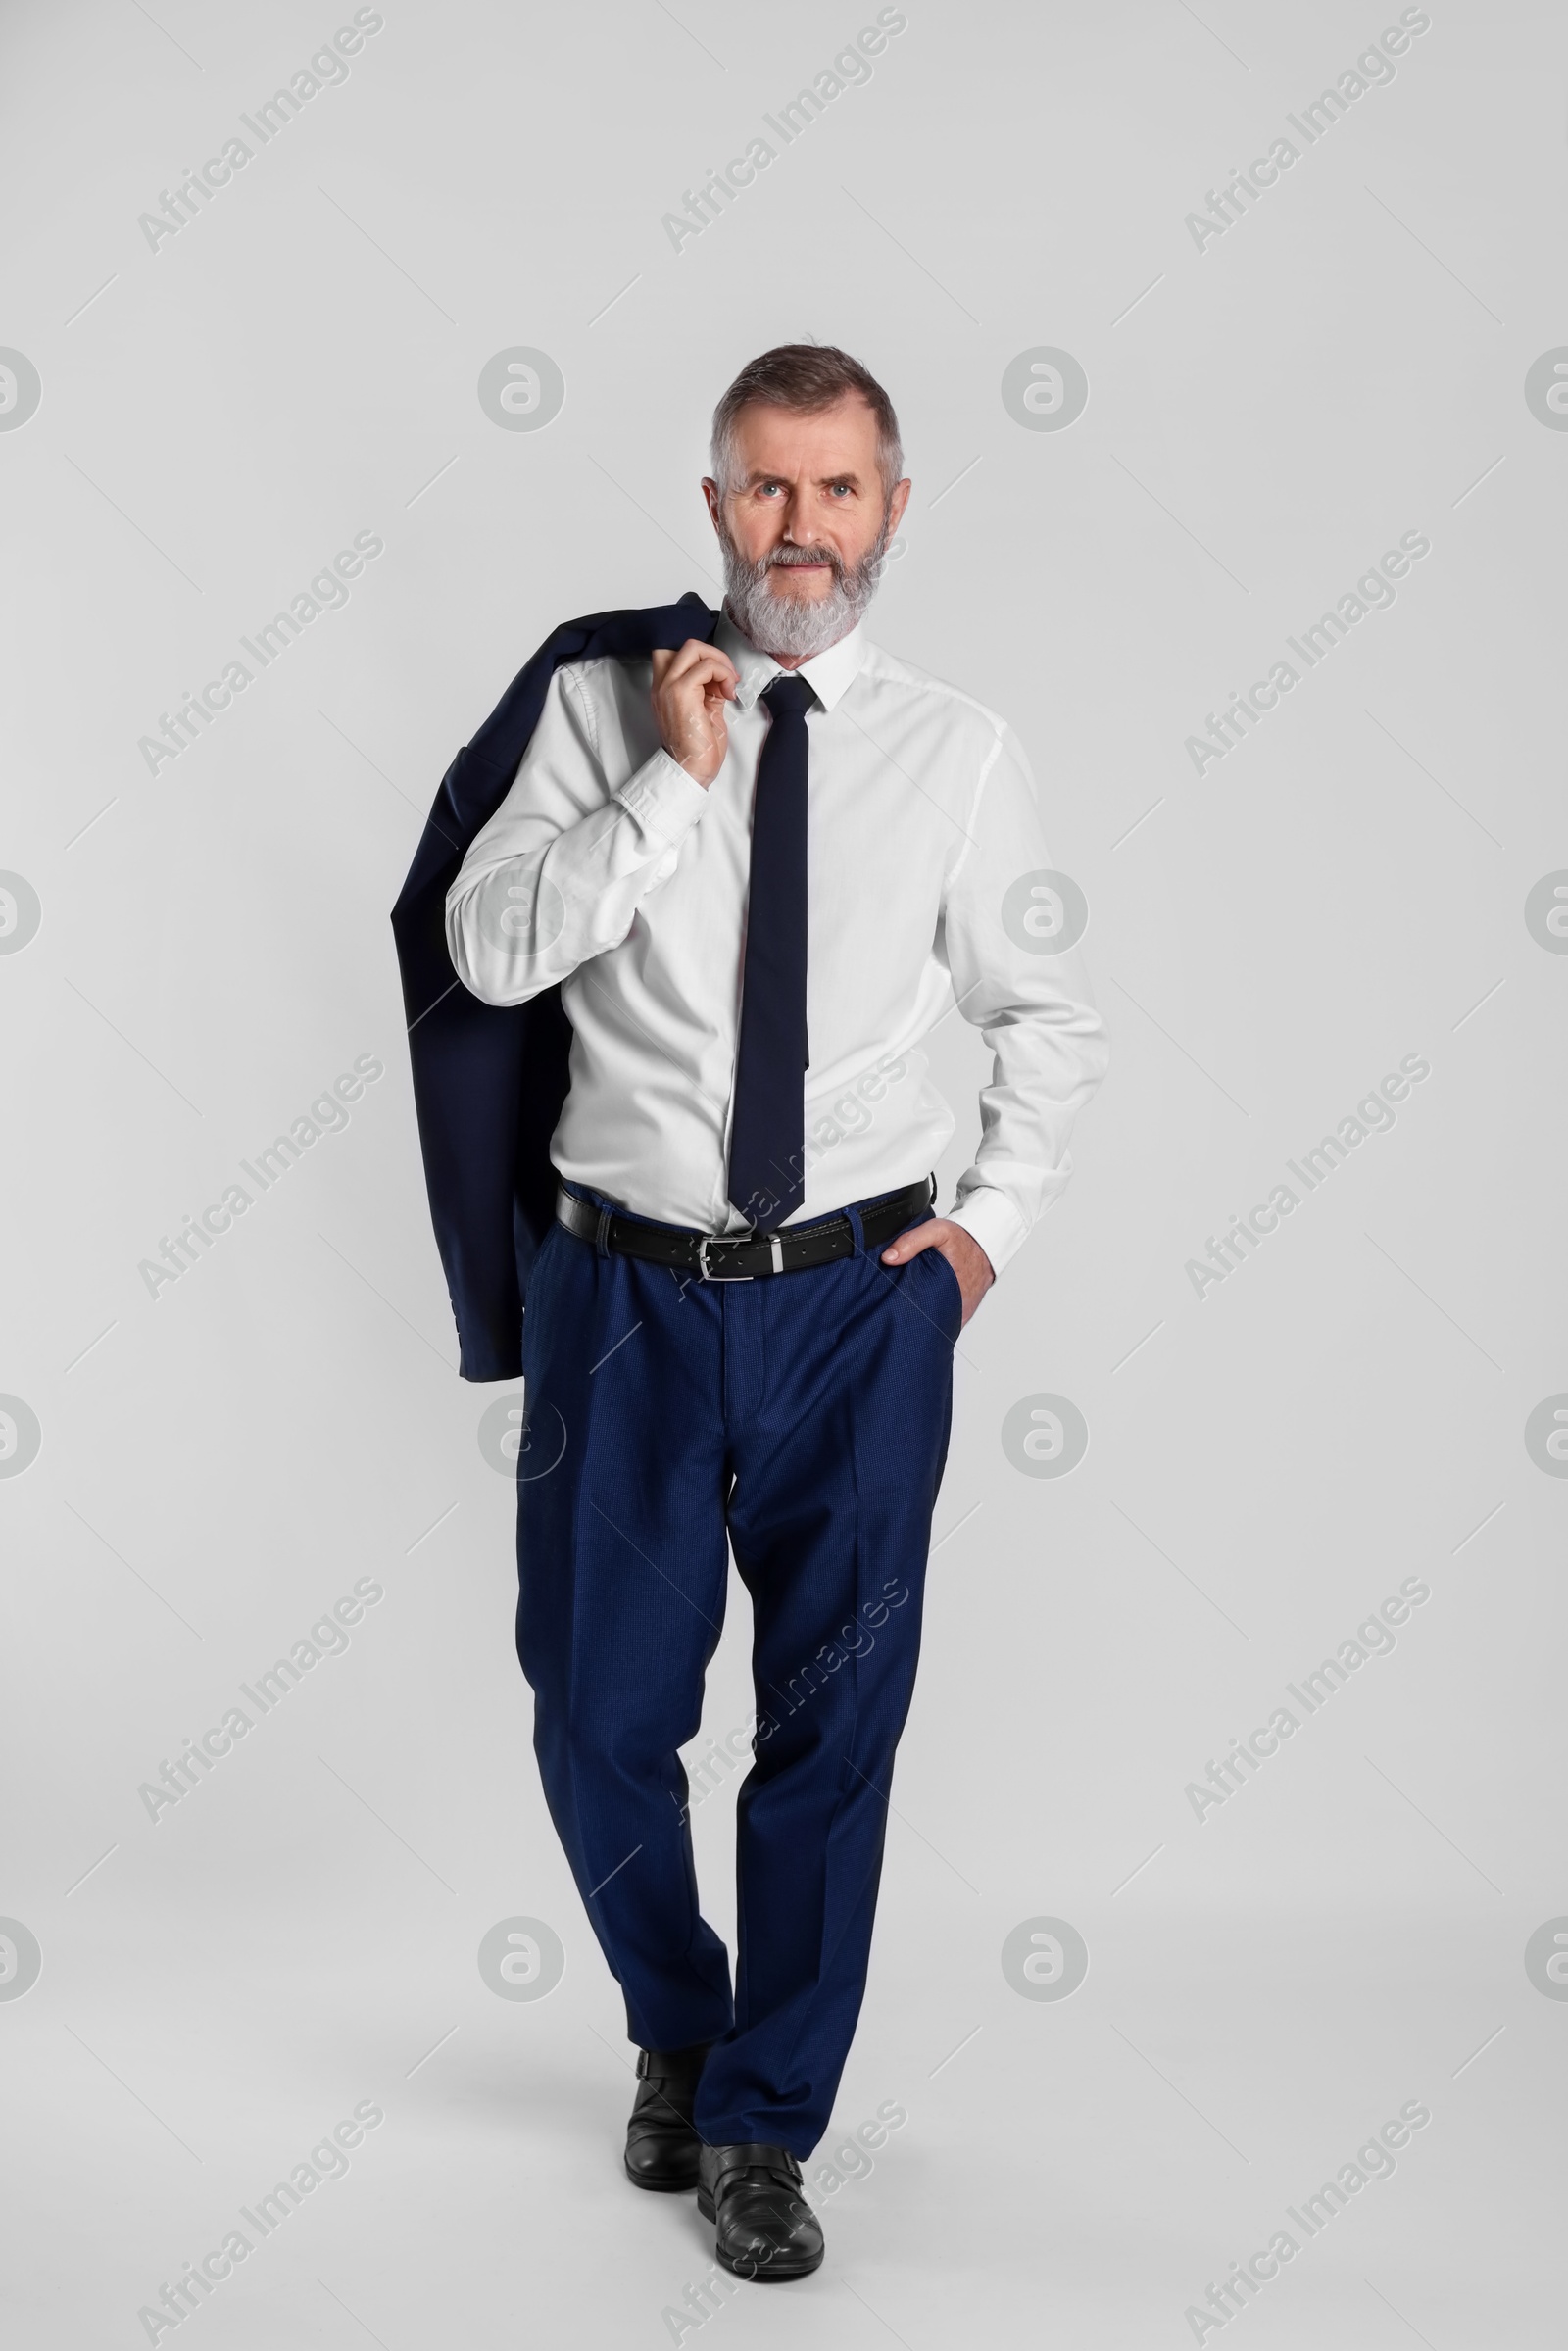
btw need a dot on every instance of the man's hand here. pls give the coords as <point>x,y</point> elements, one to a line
<point>962,1251</point>
<point>690,690</point>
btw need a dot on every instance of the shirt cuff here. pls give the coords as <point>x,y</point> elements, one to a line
<point>662,796</point>
<point>989,1218</point>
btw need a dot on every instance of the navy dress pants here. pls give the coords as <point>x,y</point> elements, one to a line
<point>802,1421</point>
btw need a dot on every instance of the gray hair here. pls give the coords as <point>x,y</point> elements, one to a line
<point>807,377</point>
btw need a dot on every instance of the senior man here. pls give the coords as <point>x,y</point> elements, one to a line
<point>761,865</point>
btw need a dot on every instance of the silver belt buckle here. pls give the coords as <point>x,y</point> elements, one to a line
<point>702,1263</point>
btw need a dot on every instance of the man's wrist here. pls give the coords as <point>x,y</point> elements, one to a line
<point>985,1261</point>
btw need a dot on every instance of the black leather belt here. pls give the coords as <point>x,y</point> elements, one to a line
<point>748,1254</point>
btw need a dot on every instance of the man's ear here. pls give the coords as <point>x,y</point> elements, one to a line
<point>711,493</point>
<point>896,504</point>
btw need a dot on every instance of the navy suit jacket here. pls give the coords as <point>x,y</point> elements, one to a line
<point>490,1080</point>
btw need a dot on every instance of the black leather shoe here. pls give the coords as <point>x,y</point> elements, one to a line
<point>661,2140</point>
<point>766,2228</point>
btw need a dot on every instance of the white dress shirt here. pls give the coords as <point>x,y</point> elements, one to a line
<point>608,869</point>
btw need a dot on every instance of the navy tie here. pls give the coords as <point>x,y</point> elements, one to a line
<point>767,1135</point>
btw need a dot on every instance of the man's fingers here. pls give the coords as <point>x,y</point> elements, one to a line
<point>680,657</point>
<point>695,664</point>
<point>971,1267</point>
<point>909,1244</point>
<point>691,685</point>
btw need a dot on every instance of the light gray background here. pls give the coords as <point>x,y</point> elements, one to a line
<point>1266,1986</point>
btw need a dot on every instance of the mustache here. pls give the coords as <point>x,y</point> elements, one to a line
<point>788,559</point>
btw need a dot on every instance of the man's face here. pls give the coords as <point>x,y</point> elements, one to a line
<point>801,515</point>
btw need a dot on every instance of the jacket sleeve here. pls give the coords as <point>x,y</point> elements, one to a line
<point>1018,977</point>
<point>556,875</point>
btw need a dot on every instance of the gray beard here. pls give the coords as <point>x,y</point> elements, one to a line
<point>797,627</point>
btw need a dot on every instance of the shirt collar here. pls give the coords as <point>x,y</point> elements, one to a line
<point>830,674</point>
